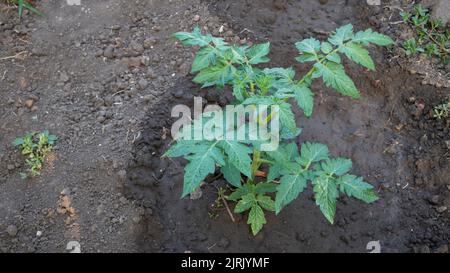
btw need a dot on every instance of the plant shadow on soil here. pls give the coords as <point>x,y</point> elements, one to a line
<point>383,133</point>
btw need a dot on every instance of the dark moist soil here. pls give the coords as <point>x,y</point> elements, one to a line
<point>104,78</point>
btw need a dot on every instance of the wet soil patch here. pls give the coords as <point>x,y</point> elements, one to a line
<point>389,134</point>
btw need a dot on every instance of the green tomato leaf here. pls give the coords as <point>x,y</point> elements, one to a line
<point>304,98</point>
<point>215,75</point>
<point>257,53</point>
<point>326,193</point>
<point>194,38</point>
<point>341,35</point>
<point>246,203</point>
<point>256,219</point>
<point>326,47</point>
<point>232,174</point>
<point>202,163</point>
<point>370,36</point>
<point>338,166</point>
<point>287,118</point>
<point>266,203</point>
<point>274,172</point>
<point>334,76</point>
<point>355,187</point>
<point>205,58</point>
<point>238,155</point>
<point>312,152</point>
<point>289,189</point>
<point>335,58</point>
<point>309,46</point>
<point>18,142</point>
<point>306,57</point>
<point>358,54</point>
<point>263,188</point>
<point>240,192</point>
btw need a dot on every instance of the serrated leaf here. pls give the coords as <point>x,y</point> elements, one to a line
<point>196,171</point>
<point>240,192</point>
<point>287,118</point>
<point>291,150</point>
<point>312,152</point>
<point>181,148</point>
<point>202,163</point>
<point>284,77</point>
<point>256,219</point>
<point>257,53</point>
<point>337,166</point>
<point>335,58</point>
<point>266,203</point>
<point>259,100</point>
<point>245,203</point>
<point>341,35</point>
<point>306,57</point>
<point>205,57</point>
<point>287,134</point>
<point>326,47</point>
<point>194,38</point>
<point>263,188</point>
<point>17,141</point>
<point>370,36</point>
<point>358,54</point>
<point>289,189</point>
<point>326,193</point>
<point>304,98</point>
<point>238,91</point>
<point>232,174</point>
<point>355,187</point>
<point>334,76</point>
<point>309,46</point>
<point>238,155</point>
<point>215,75</point>
<point>238,54</point>
<point>274,172</point>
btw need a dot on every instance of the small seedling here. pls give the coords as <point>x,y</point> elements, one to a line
<point>218,204</point>
<point>442,111</point>
<point>35,146</point>
<point>289,170</point>
<point>432,37</point>
<point>25,4</point>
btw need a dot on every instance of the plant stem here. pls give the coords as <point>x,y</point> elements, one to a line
<point>265,161</point>
<point>256,162</point>
<point>228,209</point>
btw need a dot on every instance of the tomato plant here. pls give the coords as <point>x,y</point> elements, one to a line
<point>289,169</point>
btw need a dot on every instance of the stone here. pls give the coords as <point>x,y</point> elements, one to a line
<point>29,103</point>
<point>143,83</point>
<point>132,61</point>
<point>440,9</point>
<point>12,230</point>
<point>109,52</point>
<point>434,200</point>
<point>442,249</point>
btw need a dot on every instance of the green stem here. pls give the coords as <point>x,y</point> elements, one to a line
<point>265,161</point>
<point>256,162</point>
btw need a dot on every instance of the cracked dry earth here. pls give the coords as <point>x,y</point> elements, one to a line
<point>103,77</point>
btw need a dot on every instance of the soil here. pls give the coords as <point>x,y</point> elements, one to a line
<point>104,77</point>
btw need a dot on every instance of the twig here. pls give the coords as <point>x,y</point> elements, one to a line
<point>228,209</point>
<point>396,23</point>
<point>17,56</point>
<point>4,74</point>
